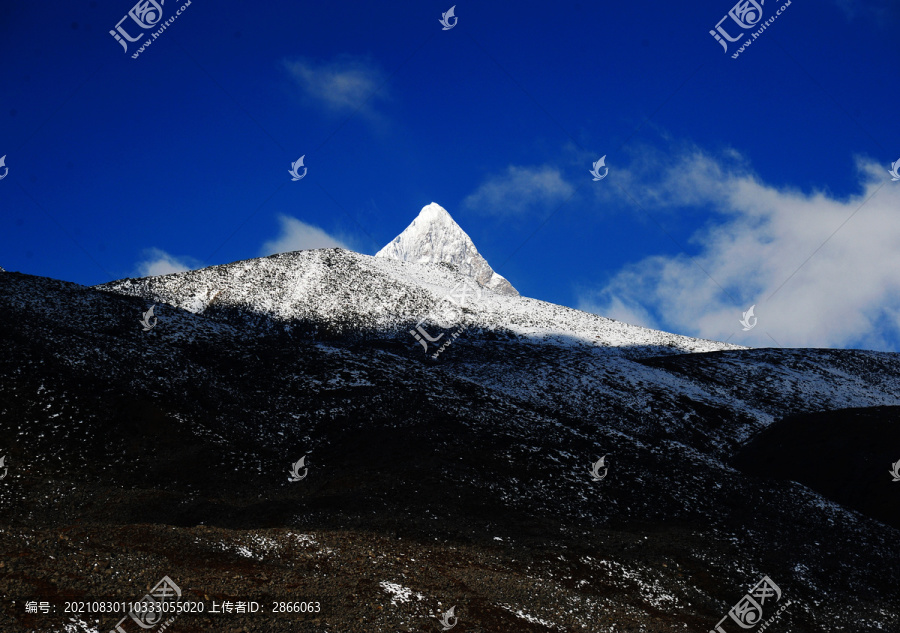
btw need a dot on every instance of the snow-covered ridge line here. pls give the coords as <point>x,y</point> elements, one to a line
<point>377,293</point>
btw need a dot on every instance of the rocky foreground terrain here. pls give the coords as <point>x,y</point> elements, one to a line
<point>461,481</point>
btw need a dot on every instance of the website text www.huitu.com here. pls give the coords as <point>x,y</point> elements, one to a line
<point>159,32</point>
<point>765,25</point>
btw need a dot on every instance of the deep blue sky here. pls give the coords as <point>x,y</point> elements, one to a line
<point>748,166</point>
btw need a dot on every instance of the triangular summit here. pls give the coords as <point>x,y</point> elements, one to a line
<point>435,237</point>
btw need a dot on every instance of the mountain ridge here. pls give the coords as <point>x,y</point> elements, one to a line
<point>381,293</point>
<point>380,301</point>
<point>479,461</point>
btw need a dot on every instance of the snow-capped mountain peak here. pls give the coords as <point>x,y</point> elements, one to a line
<point>435,237</point>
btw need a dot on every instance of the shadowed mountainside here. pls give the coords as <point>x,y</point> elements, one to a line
<point>466,481</point>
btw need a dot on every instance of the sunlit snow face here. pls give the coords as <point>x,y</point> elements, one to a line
<point>448,314</point>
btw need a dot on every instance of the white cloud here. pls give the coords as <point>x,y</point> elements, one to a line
<point>344,85</point>
<point>159,262</point>
<point>846,294</point>
<point>520,189</point>
<point>298,236</point>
